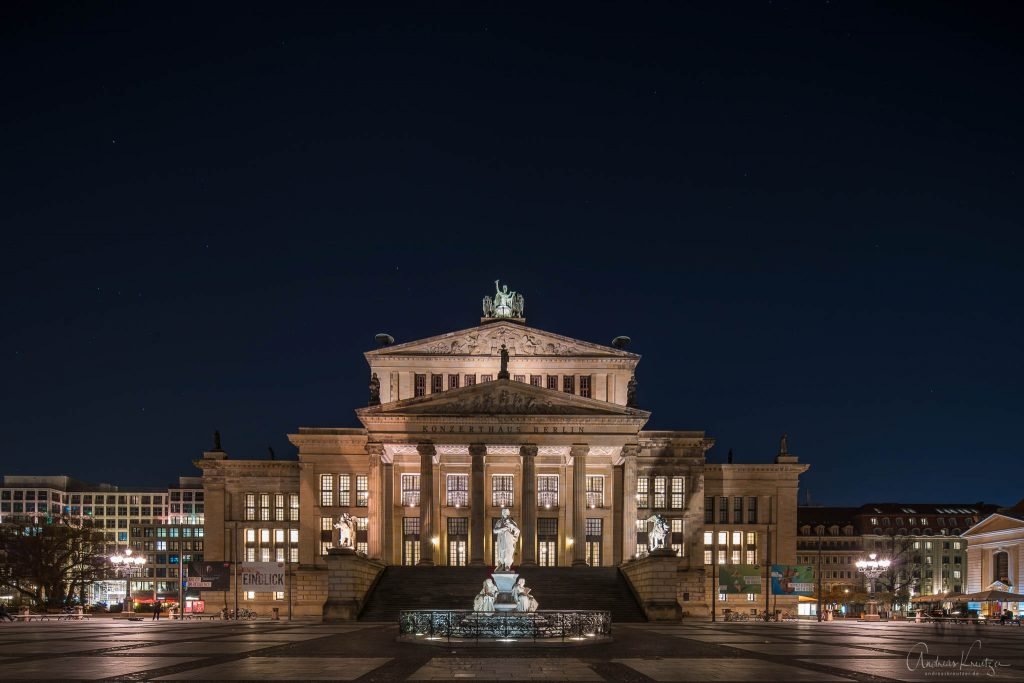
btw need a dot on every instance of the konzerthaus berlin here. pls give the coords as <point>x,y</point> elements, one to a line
<point>462,424</point>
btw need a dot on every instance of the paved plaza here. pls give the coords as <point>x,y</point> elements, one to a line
<point>119,650</point>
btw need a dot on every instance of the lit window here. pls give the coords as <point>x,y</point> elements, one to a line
<point>643,490</point>
<point>501,490</point>
<point>344,490</point>
<point>547,491</point>
<point>250,506</point>
<point>326,490</point>
<point>362,490</point>
<point>458,490</point>
<point>659,491</point>
<point>410,490</point>
<point>709,538</point>
<point>678,492</point>
<point>595,491</point>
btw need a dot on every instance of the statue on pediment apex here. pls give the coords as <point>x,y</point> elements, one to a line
<point>505,304</point>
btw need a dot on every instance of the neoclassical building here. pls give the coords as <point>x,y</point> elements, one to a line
<point>501,415</point>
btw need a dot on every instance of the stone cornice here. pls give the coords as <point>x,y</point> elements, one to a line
<point>267,467</point>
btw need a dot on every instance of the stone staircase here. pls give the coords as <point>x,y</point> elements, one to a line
<point>589,588</point>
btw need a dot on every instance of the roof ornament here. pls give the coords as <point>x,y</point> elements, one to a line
<point>374,391</point>
<point>216,441</point>
<point>784,445</point>
<point>504,304</point>
<point>631,392</point>
<point>503,372</point>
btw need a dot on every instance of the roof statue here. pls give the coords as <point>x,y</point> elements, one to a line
<point>503,372</point>
<point>784,445</point>
<point>631,392</point>
<point>216,441</point>
<point>374,391</point>
<point>504,304</point>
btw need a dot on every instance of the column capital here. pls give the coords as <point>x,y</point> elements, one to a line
<point>528,450</point>
<point>375,449</point>
<point>630,450</point>
<point>478,450</point>
<point>426,448</point>
<point>579,449</point>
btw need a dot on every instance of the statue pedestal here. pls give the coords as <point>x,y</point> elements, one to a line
<point>506,582</point>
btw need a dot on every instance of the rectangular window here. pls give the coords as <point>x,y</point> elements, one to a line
<point>293,507</point>
<point>250,506</point>
<point>643,498</point>
<point>707,557</point>
<point>419,387</point>
<point>326,490</point>
<point>344,490</point>
<point>362,490</point>
<point>410,490</point>
<point>751,509</point>
<point>595,491</point>
<point>737,510</point>
<point>709,509</point>
<point>553,382</point>
<point>470,380</point>
<point>678,492</point>
<point>569,384</point>
<point>659,492</point>
<point>458,490</point>
<point>547,491</point>
<point>264,507</point>
<point>453,381</point>
<point>458,526</point>
<point>327,524</point>
<point>436,384</point>
<point>723,509</point>
<point>501,490</point>
<point>519,378</point>
<point>735,557</point>
<point>293,555</point>
<point>721,557</point>
<point>535,380</point>
<point>279,507</point>
<point>585,386</point>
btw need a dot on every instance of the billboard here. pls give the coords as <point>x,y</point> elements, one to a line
<point>263,577</point>
<point>792,579</point>
<point>211,576</point>
<point>739,578</point>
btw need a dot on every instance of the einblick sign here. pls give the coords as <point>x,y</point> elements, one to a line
<point>262,576</point>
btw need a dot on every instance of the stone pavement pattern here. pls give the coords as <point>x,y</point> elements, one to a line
<point>105,649</point>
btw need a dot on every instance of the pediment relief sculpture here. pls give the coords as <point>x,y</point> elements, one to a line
<point>488,339</point>
<point>501,402</point>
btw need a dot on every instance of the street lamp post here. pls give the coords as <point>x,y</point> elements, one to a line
<point>872,568</point>
<point>127,565</point>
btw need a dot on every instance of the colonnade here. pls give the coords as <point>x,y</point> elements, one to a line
<point>381,501</point>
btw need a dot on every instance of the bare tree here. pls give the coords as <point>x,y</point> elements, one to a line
<point>49,564</point>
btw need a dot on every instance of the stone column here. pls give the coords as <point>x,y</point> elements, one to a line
<point>529,498</point>
<point>426,451</point>
<point>579,504</point>
<point>629,454</point>
<point>388,551</point>
<point>478,518</point>
<point>375,526</point>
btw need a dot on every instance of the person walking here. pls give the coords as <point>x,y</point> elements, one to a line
<point>4,614</point>
<point>156,611</point>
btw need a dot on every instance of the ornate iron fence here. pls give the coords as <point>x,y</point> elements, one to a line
<point>469,625</point>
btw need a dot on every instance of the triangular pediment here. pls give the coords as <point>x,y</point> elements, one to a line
<point>486,340</point>
<point>502,397</point>
<point>994,523</point>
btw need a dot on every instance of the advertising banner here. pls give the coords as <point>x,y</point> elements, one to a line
<point>211,576</point>
<point>792,579</point>
<point>739,578</point>
<point>263,577</point>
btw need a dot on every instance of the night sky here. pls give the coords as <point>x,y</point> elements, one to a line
<point>807,216</point>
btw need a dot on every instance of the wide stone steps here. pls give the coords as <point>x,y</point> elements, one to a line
<point>590,588</point>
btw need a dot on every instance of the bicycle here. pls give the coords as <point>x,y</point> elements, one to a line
<point>245,613</point>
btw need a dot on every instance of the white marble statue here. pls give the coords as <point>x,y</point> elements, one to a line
<point>506,536</point>
<point>346,527</point>
<point>658,533</point>
<point>484,600</point>
<point>524,601</point>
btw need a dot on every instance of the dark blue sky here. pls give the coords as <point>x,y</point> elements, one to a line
<point>806,215</point>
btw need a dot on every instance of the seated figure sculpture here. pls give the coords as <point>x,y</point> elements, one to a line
<point>524,601</point>
<point>484,600</point>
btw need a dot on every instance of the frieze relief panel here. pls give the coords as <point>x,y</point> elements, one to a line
<point>502,402</point>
